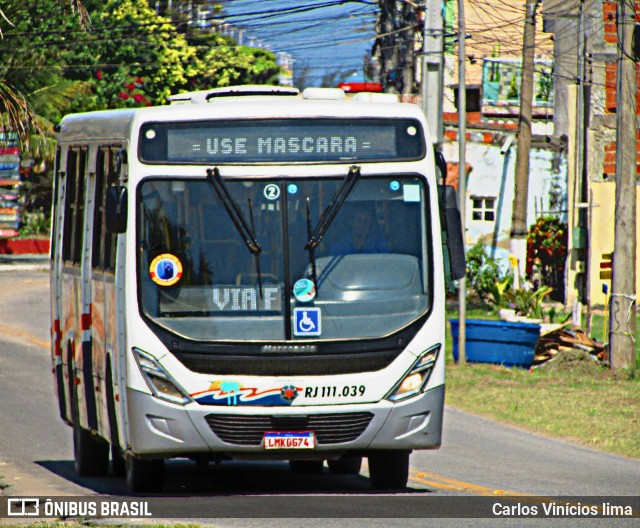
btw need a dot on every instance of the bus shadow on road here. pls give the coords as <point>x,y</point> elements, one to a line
<point>184,477</point>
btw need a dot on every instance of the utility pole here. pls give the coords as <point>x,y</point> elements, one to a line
<point>387,45</point>
<point>581,188</point>
<point>433,67</point>
<point>623,297</point>
<point>519,226</point>
<point>462,174</point>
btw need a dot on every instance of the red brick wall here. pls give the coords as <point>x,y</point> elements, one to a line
<point>609,8</point>
<point>609,165</point>
<point>610,99</point>
<point>609,19</point>
<point>610,36</point>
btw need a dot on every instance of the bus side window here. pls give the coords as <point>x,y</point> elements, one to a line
<point>98,212</point>
<point>103,241</point>
<point>56,195</point>
<point>112,180</point>
<point>74,205</point>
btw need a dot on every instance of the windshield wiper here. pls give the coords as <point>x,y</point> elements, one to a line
<point>312,256</point>
<point>247,233</point>
<point>327,217</point>
<point>329,214</point>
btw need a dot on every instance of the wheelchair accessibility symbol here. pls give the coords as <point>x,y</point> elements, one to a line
<point>306,321</point>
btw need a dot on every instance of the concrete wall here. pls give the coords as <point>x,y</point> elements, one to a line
<point>602,237</point>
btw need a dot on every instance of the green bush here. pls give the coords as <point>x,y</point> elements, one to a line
<point>35,224</point>
<point>483,272</point>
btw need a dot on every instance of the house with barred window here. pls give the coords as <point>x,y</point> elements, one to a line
<point>493,82</point>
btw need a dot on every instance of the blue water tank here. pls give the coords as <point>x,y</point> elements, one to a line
<point>498,342</point>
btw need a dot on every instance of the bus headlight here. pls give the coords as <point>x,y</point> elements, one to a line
<point>161,384</point>
<point>416,378</point>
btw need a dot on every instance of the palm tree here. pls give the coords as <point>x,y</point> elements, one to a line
<point>27,94</point>
<point>18,110</point>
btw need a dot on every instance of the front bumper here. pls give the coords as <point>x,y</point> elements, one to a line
<point>164,429</point>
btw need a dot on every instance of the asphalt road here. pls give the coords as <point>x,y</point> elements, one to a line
<point>478,458</point>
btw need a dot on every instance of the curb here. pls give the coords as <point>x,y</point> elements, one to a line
<point>24,267</point>
<point>25,262</point>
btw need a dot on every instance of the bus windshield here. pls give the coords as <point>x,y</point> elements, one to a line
<point>368,275</point>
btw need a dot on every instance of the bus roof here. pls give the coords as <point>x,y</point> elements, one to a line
<point>119,124</point>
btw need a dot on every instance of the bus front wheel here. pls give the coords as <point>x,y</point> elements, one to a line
<point>389,470</point>
<point>144,475</point>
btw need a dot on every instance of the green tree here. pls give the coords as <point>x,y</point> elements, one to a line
<point>34,92</point>
<point>33,88</point>
<point>227,64</point>
<point>394,47</point>
<point>137,57</point>
<point>133,57</point>
<point>62,56</point>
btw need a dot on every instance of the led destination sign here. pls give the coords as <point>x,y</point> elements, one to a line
<point>279,141</point>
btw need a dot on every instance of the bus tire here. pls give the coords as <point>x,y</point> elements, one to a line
<point>91,454</point>
<point>345,465</point>
<point>389,470</point>
<point>118,463</point>
<point>144,475</point>
<point>306,467</point>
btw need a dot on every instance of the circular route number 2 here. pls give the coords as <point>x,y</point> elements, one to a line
<point>272,192</point>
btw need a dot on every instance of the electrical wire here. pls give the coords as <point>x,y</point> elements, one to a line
<point>485,32</point>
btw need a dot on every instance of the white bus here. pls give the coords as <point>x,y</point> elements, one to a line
<point>252,274</point>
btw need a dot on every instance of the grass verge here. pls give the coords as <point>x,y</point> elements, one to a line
<point>93,524</point>
<point>571,398</point>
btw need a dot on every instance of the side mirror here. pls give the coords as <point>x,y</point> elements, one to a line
<point>116,209</point>
<point>441,164</point>
<point>120,159</point>
<point>453,229</point>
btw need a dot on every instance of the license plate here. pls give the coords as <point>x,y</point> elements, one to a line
<point>290,440</point>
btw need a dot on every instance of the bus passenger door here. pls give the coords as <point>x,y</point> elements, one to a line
<point>68,285</point>
<point>57,311</point>
<point>103,295</point>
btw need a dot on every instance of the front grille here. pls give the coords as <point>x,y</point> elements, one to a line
<point>288,365</point>
<point>248,430</point>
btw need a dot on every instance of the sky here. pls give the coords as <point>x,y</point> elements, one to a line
<point>322,35</point>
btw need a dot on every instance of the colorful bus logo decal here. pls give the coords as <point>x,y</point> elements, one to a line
<point>231,392</point>
<point>165,270</point>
